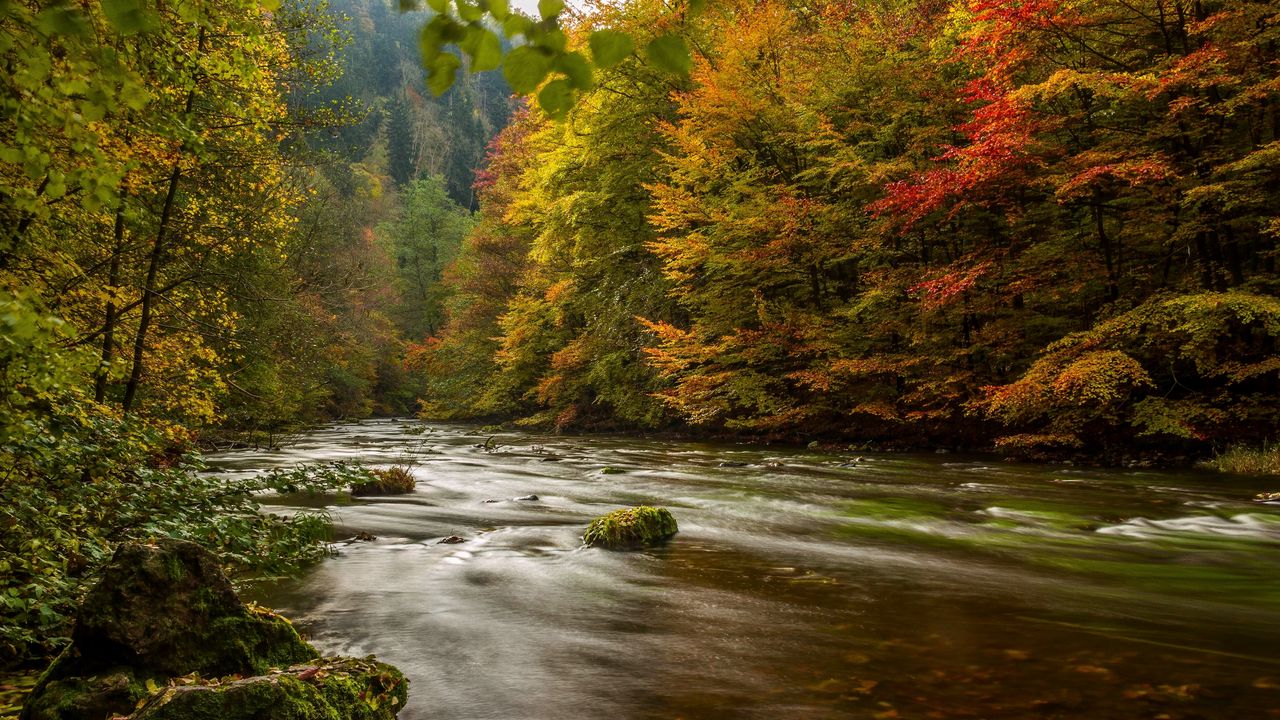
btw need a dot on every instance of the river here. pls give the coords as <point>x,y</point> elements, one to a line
<point>802,584</point>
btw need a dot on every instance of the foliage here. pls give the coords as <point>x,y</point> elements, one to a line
<point>395,480</point>
<point>1031,225</point>
<point>60,527</point>
<point>1263,460</point>
<point>423,238</point>
<point>545,63</point>
<point>549,286</point>
<point>167,266</point>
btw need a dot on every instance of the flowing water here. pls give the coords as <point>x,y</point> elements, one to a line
<point>802,584</point>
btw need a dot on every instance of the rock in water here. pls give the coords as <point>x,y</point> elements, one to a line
<point>159,612</point>
<point>631,528</point>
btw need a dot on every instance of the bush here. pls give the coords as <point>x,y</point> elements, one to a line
<point>395,480</point>
<point>1244,460</point>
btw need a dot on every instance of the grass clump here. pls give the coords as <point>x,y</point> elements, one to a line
<point>630,528</point>
<point>395,480</point>
<point>1263,460</point>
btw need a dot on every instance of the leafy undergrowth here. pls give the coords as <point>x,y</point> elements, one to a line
<point>60,532</point>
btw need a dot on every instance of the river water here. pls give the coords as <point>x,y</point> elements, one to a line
<point>802,584</point>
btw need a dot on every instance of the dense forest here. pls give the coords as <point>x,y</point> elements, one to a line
<point>1043,228</point>
<point>220,223</point>
<point>1035,226</point>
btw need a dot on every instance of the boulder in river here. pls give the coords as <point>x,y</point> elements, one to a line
<point>631,528</point>
<point>161,612</point>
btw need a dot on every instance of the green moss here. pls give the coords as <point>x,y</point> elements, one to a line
<point>98,696</point>
<point>635,527</point>
<point>339,689</point>
<point>251,644</point>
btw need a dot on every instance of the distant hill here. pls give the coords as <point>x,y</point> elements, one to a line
<point>408,132</point>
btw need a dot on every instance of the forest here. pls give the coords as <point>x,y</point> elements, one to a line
<point>1043,229</point>
<point>1037,227</point>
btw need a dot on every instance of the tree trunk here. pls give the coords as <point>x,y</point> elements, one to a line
<point>109,325</point>
<point>149,293</point>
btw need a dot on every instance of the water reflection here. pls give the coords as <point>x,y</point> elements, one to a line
<point>802,585</point>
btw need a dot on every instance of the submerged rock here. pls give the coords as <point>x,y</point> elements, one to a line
<point>526,498</point>
<point>631,528</point>
<point>452,540</point>
<point>160,611</point>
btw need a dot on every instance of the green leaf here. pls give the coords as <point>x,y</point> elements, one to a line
<point>469,12</point>
<point>272,5</point>
<point>576,69</point>
<point>553,41</point>
<point>61,20</point>
<point>670,53</point>
<point>556,99</point>
<point>516,24</point>
<point>436,34</point>
<point>128,16</point>
<point>550,8</point>
<point>499,9</point>
<point>442,72</point>
<point>408,5</point>
<point>525,69</point>
<point>440,6</point>
<point>610,47</point>
<point>485,49</point>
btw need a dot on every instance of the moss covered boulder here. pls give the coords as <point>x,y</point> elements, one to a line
<point>160,612</point>
<point>631,528</point>
<point>333,689</point>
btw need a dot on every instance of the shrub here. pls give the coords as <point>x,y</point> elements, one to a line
<point>396,480</point>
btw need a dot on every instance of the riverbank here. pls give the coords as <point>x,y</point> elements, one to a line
<point>1240,460</point>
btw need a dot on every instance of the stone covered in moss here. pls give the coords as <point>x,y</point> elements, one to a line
<point>158,612</point>
<point>336,689</point>
<point>392,481</point>
<point>93,697</point>
<point>631,528</point>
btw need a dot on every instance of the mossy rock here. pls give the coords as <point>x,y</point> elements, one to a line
<point>335,689</point>
<point>94,697</point>
<point>159,611</point>
<point>392,481</point>
<point>631,528</point>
